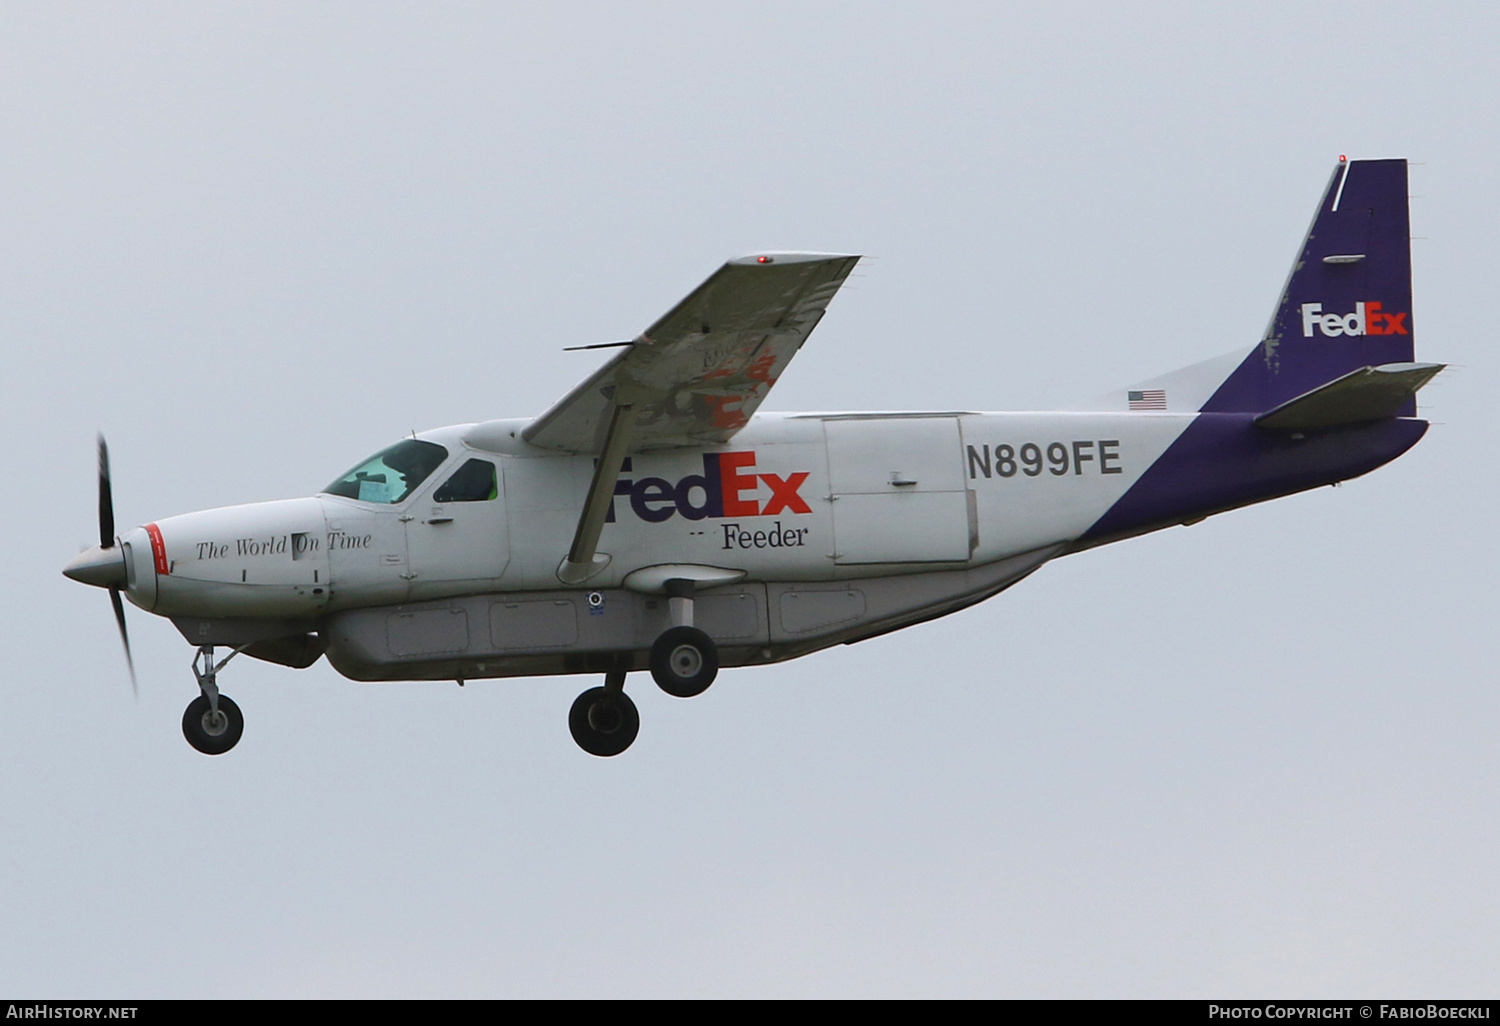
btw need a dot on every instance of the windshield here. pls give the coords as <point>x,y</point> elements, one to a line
<point>391,474</point>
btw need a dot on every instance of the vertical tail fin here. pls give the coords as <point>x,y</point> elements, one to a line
<point>1347,301</point>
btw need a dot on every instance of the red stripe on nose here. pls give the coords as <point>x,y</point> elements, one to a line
<point>158,549</point>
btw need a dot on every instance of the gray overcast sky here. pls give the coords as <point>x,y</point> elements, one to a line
<point>254,243</point>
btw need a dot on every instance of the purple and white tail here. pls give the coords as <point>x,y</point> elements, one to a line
<point>1327,395</point>
<point>1347,302</point>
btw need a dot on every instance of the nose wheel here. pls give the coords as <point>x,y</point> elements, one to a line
<point>211,731</point>
<point>212,723</point>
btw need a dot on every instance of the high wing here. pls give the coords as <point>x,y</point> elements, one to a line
<point>696,375</point>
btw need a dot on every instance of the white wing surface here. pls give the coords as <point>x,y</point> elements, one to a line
<point>696,375</point>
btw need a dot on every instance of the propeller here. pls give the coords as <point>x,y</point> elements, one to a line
<point>107,541</point>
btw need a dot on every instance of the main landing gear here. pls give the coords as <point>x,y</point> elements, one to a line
<point>684,662</point>
<point>212,723</point>
<point>604,721</point>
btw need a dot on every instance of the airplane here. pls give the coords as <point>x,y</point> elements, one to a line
<point>654,520</point>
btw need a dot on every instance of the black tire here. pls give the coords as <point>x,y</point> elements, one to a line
<point>684,661</point>
<point>204,734</point>
<point>604,724</point>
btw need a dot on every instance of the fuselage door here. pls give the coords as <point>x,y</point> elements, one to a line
<point>457,530</point>
<point>898,490</point>
<point>366,552</point>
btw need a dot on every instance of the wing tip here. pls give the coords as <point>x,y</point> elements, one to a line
<point>789,257</point>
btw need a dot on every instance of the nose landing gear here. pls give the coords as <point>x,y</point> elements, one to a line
<point>212,731</point>
<point>212,723</point>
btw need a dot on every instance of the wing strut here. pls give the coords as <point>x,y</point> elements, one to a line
<point>584,561</point>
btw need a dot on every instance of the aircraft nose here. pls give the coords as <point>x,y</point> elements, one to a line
<point>103,568</point>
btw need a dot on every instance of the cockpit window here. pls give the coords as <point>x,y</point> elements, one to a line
<point>390,475</point>
<point>475,481</point>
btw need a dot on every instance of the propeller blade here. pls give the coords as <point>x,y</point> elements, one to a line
<point>107,511</point>
<point>114,598</point>
<point>107,541</point>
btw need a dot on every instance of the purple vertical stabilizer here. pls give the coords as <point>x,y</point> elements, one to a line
<point>1347,302</point>
<point>1346,306</point>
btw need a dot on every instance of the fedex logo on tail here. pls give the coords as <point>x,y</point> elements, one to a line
<point>728,487</point>
<point>1367,319</point>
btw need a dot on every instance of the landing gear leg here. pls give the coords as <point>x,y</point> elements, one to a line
<point>604,721</point>
<point>212,723</point>
<point>684,660</point>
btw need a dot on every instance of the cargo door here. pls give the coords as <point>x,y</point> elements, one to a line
<point>898,490</point>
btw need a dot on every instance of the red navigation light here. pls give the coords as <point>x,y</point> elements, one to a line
<point>1343,159</point>
<point>763,260</point>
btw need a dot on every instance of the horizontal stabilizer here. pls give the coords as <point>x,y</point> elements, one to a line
<point>1366,394</point>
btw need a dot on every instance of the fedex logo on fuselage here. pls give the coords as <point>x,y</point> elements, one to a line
<point>726,488</point>
<point>1367,319</point>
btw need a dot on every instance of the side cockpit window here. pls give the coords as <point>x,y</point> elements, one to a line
<point>475,481</point>
<point>390,475</point>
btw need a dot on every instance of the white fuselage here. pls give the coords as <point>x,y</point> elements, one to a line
<point>809,497</point>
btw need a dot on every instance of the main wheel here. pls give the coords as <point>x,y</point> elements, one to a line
<point>604,724</point>
<point>684,661</point>
<point>210,734</point>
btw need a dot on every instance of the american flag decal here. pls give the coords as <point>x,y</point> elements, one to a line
<point>1147,399</point>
